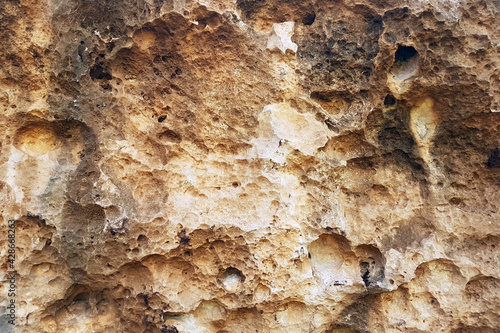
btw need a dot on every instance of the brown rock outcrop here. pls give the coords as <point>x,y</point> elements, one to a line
<point>251,166</point>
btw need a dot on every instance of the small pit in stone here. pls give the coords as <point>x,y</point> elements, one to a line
<point>389,100</point>
<point>405,53</point>
<point>97,72</point>
<point>169,329</point>
<point>309,19</point>
<point>77,310</point>
<point>405,62</point>
<point>142,240</point>
<point>365,271</point>
<point>494,159</point>
<point>232,279</point>
<point>371,264</point>
<point>183,237</point>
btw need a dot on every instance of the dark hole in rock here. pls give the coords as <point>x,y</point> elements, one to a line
<point>365,269</point>
<point>320,96</point>
<point>184,239</point>
<point>371,264</point>
<point>389,100</point>
<point>405,62</point>
<point>331,126</point>
<point>405,53</point>
<point>309,19</point>
<point>110,46</point>
<point>82,297</point>
<point>169,329</point>
<point>494,160</point>
<point>162,119</point>
<point>146,301</point>
<point>233,271</point>
<point>98,73</point>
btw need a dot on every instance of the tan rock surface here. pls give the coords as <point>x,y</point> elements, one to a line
<point>251,166</point>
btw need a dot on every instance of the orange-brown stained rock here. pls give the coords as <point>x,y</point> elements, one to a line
<point>227,166</point>
<point>36,139</point>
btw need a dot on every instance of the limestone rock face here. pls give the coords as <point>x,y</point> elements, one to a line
<point>251,165</point>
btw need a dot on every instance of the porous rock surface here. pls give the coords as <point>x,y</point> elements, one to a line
<point>252,165</point>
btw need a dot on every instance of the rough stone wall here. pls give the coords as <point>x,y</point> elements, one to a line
<point>251,165</point>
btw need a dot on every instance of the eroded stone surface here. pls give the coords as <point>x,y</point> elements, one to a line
<point>252,166</point>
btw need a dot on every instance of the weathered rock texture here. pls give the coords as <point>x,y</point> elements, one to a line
<point>252,166</point>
